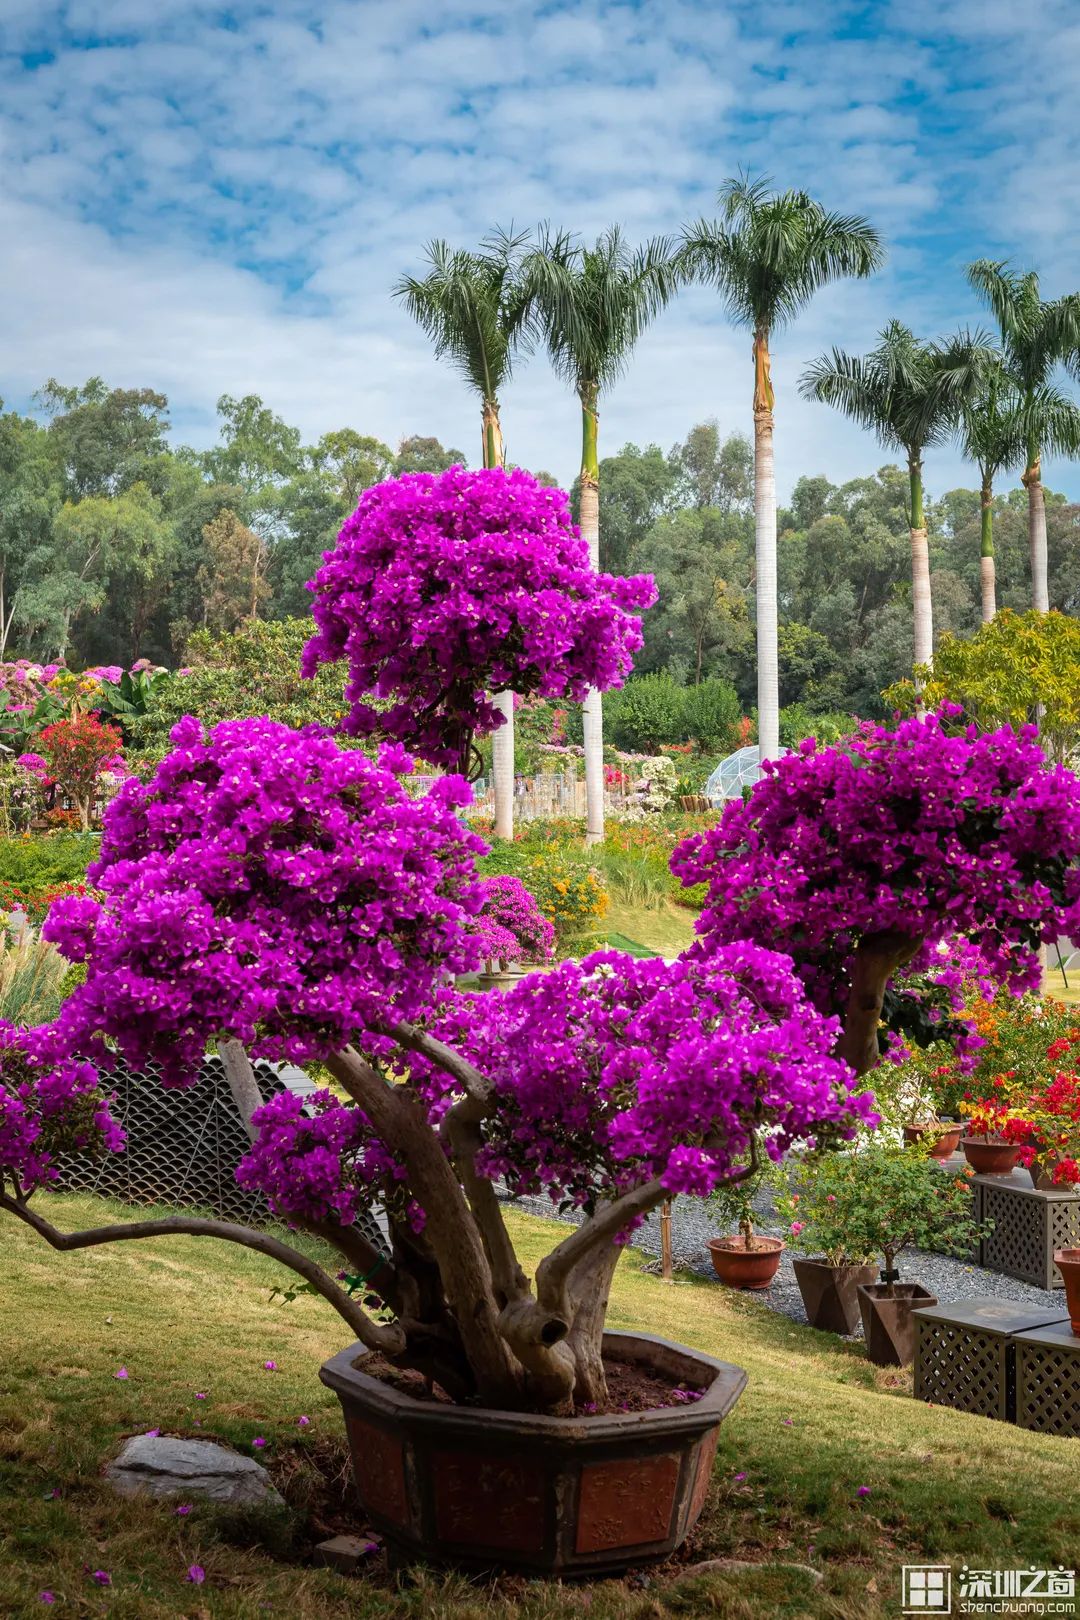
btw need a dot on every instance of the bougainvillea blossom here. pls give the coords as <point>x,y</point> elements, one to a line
<point>445,588</point>
<point>269,885</point>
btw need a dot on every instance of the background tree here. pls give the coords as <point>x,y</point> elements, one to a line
<point>234,582</point>
<point>698,558</point>
<point>474,308</point>
<point>1036,337</point>
<point>592,305</point>
<point>30,497</point>
<point>991,433</point>
<point>768,257</point>
<point>907,392</point>
<point>419,454</point>
<point>351,462</point>
<point>105,439</point>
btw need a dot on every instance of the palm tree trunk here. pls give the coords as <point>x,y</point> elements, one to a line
<point>502,739</point>
<point>1032,482</point>
<point>987,574</point>
<point>768,669</point>
<point>592,714</point>
<point>922,605</point>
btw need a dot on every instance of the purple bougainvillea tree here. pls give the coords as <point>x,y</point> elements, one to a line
<point>288,898</point>
<point>443,588</point>
<point>858,861</point>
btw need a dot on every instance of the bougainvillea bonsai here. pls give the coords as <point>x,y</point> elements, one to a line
<point>859,859</point>
<point>443,588</point>
<point>288,898</point>
<point>511,926</point>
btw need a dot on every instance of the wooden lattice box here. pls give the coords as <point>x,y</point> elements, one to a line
<point>1048,1380</point>
<point>1029,1225</point>
<point>965,1354</point>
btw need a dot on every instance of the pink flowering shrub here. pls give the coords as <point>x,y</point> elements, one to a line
<point>511,926</point>
<point>270,884</point>
<point>50,1103</point>
<point>858,859</point>
<point>444,588</point>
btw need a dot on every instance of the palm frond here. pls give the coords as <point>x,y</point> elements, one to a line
<point>474,307</point>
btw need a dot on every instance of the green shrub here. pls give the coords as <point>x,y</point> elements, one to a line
<point>797,723</point>
<point>647,712</point>
<point>711,713</point>
<point>35,861</point>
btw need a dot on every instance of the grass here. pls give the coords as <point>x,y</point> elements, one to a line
<point>662,931</point>
<point>816,1423</point>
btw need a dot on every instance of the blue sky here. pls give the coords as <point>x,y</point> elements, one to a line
<point>209,199</point>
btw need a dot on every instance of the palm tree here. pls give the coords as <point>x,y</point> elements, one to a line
<point>474,308</point>
<point>591,306</point>
<point>907,392</point>
<point>991,433</point>
<point>768,255</point>
<point>1036,337</point>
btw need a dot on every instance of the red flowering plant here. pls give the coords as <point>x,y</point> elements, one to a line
<point>1049,1136</point>
<point>287,898</point>
<point>77,752</point>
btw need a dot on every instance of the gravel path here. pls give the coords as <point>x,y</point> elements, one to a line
<point>692,1224</point>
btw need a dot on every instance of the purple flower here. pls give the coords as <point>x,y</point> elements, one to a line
<point>258,1443</point>
<point>482,573</point>
<point>151,1434</point>
<point>46,1597</point>
<point>270,1366</point>
<point>303,1422</point>
<point>121,1372</point>
<point>102,1577</point>
<point>196,1575</point>
<point>739,1478</point>
<point>183,1510</point>
<point>863,1490</point>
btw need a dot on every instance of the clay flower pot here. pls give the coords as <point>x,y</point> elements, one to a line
<point>1068,1263</point>
<point>740,1267</point>
<point>989,1158</point>
<point>481,1489</point>
<point>830,1293</point>
<point>888,1325</point>
<point>943,1135</point>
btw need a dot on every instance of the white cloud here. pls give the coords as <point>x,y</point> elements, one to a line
<point>214,208</point>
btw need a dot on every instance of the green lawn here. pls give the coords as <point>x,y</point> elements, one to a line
<point>183,1317</point>
<point>662,932</point>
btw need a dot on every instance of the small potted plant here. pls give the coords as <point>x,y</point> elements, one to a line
<point>818,1208</point>
<point>940,1137</point>
<point>896,1200</point>
<point>986,1145</point>
<point>746,1259</point>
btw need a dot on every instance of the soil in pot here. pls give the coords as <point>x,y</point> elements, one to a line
<point>943,1137</point>
<point>483,1489</point>
<point>741,1266</point>
<point>830,1293</point>
<point>1068,1263</point>
<point>631,1387</point>
<point>888,1325</point>
<point>989,1158</point>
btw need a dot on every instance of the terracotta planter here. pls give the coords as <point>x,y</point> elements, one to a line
<point>830,1293</point>
<point>481,1489</point>
<point>989,1158</point>
<point>944,1137</point>
<point>740,1267</point>
<point>1068,1263</point>
<point>888,1326</point>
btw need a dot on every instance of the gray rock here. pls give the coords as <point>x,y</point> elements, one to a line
<point>162,1465</point>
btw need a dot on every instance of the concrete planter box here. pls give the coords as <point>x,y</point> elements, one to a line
<point>481,1489</point>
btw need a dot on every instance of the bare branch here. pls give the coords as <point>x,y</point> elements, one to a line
<point>388,1339</point>
<point>444,1057</point>
<point>242,1083</point>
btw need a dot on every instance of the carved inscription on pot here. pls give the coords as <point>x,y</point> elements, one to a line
<point>380,1470</point>
<point>626,1503</point>
<point>488,1501</point>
